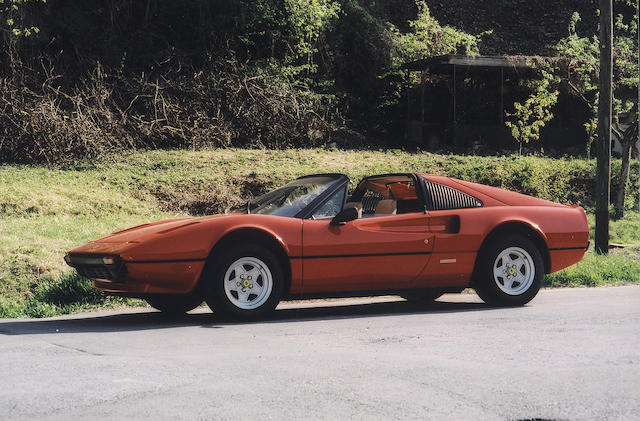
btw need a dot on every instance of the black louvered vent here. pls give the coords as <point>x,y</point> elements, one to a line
<point>442,197</point>
<point>369,201</point>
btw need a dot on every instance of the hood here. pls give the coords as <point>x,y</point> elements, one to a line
<point>139,232</point>
<point>142,232</point>
<point>126,239</point>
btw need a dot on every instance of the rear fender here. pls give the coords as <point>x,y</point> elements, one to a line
<point>516,226</point>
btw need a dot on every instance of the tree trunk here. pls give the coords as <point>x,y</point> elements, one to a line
<point>603,175</point>
<point>627,142</point>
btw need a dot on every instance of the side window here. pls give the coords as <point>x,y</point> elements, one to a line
<point>331,207</point>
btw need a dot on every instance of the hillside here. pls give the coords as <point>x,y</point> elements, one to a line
<point>44,212</point>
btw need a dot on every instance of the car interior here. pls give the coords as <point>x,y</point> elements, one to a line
<point>385,195</point>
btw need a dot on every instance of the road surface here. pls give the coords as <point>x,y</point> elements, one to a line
<point>570,354</point>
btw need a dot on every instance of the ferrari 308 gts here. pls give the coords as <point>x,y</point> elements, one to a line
<point>415,235</point>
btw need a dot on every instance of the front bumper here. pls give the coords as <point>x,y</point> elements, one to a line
<point>110,273</point>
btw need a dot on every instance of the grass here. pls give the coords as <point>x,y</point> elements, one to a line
<point>65,294</point>
<point>597,270</point>
<point>46,211</point>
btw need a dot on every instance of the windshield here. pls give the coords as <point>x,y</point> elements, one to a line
<point>292,198</point>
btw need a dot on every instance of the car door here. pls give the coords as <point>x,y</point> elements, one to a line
<point>384,252</point>
<point>376,252</point>
<point>453,224</point>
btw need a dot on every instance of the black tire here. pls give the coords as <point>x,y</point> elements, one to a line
<point>229,306</point>
<point>492,289</point>
<point>422,296</point>
<point>174,303</point>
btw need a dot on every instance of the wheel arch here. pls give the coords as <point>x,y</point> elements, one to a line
<point>515,227</point>
<point>255,236</point>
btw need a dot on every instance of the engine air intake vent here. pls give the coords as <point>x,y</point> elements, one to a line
<point>440,197</point>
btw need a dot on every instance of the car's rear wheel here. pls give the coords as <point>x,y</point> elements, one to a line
<point>510,272</point>
<point>244,283</point>
<point>174,303</point>
<point>422,296</point>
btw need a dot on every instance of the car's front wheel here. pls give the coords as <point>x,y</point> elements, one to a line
<point>245,282</point>
<point>511,272</point>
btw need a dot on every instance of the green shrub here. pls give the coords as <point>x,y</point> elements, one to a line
<point>563,180</point>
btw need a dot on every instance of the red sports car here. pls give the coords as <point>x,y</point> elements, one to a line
<point>414,235</point>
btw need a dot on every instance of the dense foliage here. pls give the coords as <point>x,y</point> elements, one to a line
<point>81,79</point>
<point>580,71</point>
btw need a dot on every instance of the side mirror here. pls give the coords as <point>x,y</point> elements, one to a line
<point>344,216</point>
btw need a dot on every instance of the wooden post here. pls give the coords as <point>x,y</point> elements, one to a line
<point>501,97</point>
<point>453,131</point>
<point>502,127</point>
<point>603,173</point>
<point>422,78</point>
<point>407,125</point>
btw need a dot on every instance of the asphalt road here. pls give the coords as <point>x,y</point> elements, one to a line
<point>570,354</point>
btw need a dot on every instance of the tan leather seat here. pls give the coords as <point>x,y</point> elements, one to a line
<point>357,205</point>
<point>386,207</point>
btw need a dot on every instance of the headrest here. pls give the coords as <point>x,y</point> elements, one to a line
<point>386,207</point>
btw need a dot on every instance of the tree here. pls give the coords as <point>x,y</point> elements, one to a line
<point>428,38</point>
<point>287,33</point>
<point>534,113</point>
<point>581,69</point>
<point>628,137</point>
<point>12,22</point>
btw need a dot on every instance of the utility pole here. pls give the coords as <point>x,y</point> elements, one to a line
<point>603,173</point>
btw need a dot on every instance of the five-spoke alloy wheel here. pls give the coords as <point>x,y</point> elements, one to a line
<point>514,271</point>
<point>244,282</point>
<point>248,283</point>
<point>510,271</point>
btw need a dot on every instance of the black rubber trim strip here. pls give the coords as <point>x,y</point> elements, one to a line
<point>334,256</point>
<point>164,261</point>
<point>570,248</point>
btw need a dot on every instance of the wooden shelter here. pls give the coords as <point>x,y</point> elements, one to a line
<point>461,100</point>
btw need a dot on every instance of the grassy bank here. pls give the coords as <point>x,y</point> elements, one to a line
<point>45,211</point>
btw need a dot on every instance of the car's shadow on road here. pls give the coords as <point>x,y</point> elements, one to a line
<point>154,320</point>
